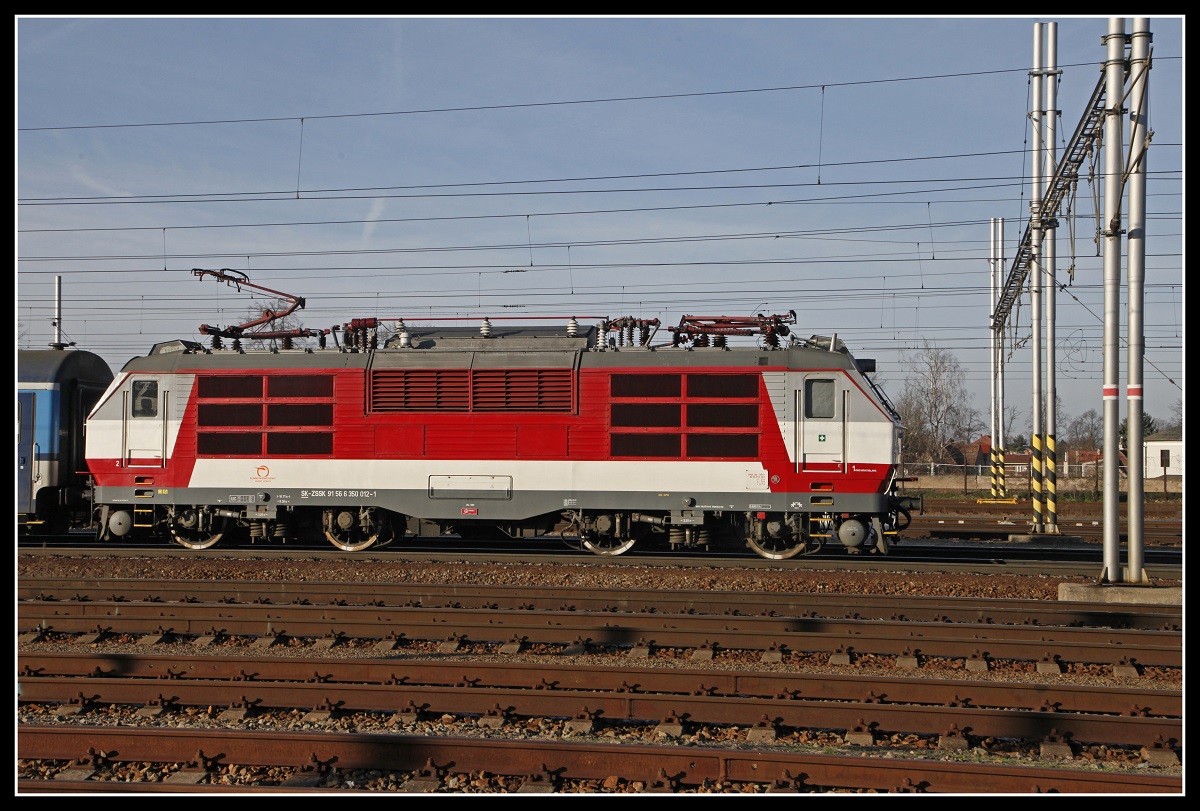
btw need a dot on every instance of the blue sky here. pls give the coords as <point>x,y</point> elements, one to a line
<point>844,168</point>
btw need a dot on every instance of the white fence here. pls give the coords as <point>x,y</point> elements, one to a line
<point>1021,470</point>
<point>1017,479</point>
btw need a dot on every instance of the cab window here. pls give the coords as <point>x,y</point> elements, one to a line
<point>818,398</point>
<point>145,398</point>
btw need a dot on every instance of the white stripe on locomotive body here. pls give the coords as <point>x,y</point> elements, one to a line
<point>628,476</point>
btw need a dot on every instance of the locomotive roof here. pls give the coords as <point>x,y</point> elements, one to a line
<point>58,365</point>
<point>500,338</point>
<point>460,348</point>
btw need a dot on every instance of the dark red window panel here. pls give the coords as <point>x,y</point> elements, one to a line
<point>300,414</point>
<point>651,385</point>
<point>713,445</point>
<point>215,387</point>
<point>229,444</point>
<point>725,386</point>
<point>223,415</point>
<point>719,415</point>
<point>300,386</point>
<point>646,415</point>
<point>306,443</point>
<point>653,445</point>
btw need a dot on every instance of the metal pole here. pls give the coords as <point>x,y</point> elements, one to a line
<point>1139,142</point>
<point>1035,286</point>
<point>58,341</point>
<point>1002,436</point>
<point>58,312</point>
<point>999,490</point>
<point>1114,73</point>
<point>994,450</point>
<point>1050,465</point>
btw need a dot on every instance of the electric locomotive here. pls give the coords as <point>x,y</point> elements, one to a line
<point>596,434</point>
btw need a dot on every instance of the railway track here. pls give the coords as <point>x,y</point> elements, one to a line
<point>1066,559</point>
<point>975,519</point>
<point>309,761</point>
<point>771,704</point>
<point>185,681</point>
<point>274,624</point>
<point>626,601</point>
<point>1157,533</point>
<point>653,669</point>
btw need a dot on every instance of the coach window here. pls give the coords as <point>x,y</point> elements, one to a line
<point>818,398</point>
<point>145,398</point>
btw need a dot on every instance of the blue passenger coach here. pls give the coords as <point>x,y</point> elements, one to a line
<point>56,388</point>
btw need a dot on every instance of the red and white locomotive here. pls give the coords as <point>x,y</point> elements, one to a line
<point>595,434</point>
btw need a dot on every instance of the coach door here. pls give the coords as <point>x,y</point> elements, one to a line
<point>26,451</point>
<point>144,427</point>
<point>821,408</point>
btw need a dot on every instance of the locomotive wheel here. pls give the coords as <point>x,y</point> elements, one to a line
<point>351,540</point>
<point>187,532</point>
<point>608,545</point>
<point>777,548</point>
<point>344,531</point>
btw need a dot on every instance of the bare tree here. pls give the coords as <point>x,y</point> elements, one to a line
<point>1062,418</point>
<point>1176,415</point>
<point>935,404</point>
<point>1086,431</point>
<point>288,322</point>
<point>1011,415</point>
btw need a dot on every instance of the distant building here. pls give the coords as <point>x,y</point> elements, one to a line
<point>1162,447</point>
<point>971,453</point>
<point>1164,453</point>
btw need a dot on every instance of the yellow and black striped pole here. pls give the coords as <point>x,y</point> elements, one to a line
<point>997,456</point>
<point>1035,479</point>
<point>1051,486</point>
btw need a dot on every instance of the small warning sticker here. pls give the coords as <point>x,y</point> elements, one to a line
<point>756,480</point>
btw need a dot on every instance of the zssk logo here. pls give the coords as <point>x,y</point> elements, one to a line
<point>262,474</point>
